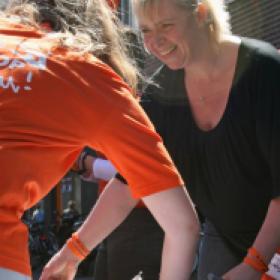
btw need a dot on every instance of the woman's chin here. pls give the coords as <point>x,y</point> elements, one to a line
<point>174,66</point>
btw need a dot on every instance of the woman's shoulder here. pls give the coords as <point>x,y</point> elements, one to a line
<point>256,57</point>
<point>260,49</point>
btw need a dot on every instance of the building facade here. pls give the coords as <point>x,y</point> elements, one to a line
<point>259,19</point>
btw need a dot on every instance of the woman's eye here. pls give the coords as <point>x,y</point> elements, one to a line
<point>144,31</point>
<point>166,26</point>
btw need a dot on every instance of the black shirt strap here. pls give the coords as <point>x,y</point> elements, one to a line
<point>120,178</point>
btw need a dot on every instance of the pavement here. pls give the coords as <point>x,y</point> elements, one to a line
<point>37,274</point>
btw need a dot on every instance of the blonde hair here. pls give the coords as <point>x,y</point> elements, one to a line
<point>217,18</point>
<point>84,26</point>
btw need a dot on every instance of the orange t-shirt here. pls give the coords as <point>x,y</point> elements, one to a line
<point>53,102</point>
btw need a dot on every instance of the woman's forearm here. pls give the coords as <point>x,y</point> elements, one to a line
<point>112,207</point>
<point>176,215</point>
<point>268,239</point>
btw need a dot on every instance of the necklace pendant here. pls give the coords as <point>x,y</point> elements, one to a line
<point>201,98</point>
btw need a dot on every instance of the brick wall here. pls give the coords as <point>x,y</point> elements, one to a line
<point>256,18</point>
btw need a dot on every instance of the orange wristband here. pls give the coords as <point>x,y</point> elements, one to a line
<point>255,264</point>
<point>255,260</point>
<point>77,247</point>
<point>80,245</point>
<point>71,245</point>
<point>253,252</point>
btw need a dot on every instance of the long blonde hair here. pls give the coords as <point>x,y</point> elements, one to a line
<point>84,26</point>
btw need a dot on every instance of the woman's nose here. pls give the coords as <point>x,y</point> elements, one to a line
<point>159,40</point>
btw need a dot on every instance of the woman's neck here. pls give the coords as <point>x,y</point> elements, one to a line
<point>211,61</point>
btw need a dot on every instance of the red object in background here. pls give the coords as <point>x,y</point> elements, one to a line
<point>113,3</point>
<point>46,26</point>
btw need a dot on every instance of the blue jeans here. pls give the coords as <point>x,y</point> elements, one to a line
<point>214,254</point>
<point>12,275</point>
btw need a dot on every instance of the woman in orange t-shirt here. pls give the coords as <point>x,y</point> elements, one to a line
<point>56,98</point>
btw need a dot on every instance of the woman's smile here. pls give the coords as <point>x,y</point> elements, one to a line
<point>167,51</point>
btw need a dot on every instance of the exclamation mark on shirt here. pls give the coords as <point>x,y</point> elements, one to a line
<point>28,80</point>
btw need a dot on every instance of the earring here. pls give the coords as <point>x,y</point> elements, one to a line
<point>211,27</point>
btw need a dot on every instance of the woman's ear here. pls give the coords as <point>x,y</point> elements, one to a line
<point>202,13</point>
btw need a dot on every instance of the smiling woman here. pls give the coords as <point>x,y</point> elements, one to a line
<point>166,28</point>
<point>213,14</point>
<point>229,121</point>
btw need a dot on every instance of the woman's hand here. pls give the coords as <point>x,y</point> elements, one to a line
<point>62,266</point>
<point>242,272</point>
